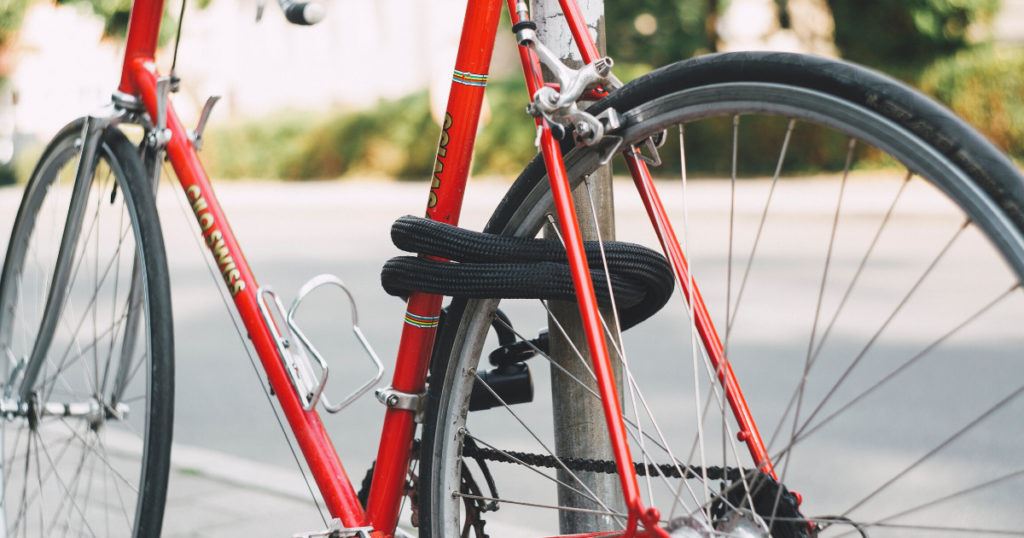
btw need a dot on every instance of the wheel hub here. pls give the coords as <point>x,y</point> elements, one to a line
<point>758,503</point>
<point>92,411</point>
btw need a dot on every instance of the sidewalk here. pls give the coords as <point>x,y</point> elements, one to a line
<point>213,494</point>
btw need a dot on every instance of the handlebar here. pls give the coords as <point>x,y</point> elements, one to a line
<point>303,12</point>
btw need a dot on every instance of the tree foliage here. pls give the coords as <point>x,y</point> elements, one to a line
<point>11,13</point>
<point>113,12</point>
<point>984,86</point>
<point>904,34</point>
<point>908,34</point>
<point>681,29</point>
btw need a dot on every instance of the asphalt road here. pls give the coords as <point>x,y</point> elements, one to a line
<point>291,232</point>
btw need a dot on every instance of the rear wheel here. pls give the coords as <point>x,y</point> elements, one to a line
<point>87,430</point>
<point>871,313</point>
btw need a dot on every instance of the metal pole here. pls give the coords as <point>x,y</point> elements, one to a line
<point>579,424</point>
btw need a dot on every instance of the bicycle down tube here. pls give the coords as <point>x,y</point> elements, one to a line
<point>448,183</point>
<point>139,78</point>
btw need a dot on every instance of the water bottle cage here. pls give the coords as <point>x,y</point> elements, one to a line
<point>308,384</point>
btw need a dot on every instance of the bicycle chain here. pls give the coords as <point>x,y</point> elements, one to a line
<point>473,451</point>
<point>764,489</point>
<point>602,466</point>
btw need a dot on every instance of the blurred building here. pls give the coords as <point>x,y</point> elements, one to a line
<point>754,25</point>
<point>1009,25</point>
<point>363,52</point>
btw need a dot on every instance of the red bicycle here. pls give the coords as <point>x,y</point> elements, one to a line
<point>882,356</point>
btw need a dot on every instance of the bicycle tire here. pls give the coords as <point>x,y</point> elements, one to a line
<point>146,310</point>
<point>982,181</point>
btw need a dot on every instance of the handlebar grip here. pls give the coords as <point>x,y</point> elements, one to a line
<point>304,13</point>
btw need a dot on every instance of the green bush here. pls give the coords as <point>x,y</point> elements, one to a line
<point>903,36</point>
<point>396,139</point>
<point>11,14</point>
<point>255,149</point>
<point>682,28</point>
<point>399,138</point>
<point>505,143</point>
<point>985,86</point>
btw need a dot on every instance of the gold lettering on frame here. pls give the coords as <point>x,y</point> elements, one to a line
<point>205,221</point>
<point>442,152</point>
<point>215,240</point>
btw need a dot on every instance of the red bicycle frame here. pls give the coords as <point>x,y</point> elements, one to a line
<point>139,80</point>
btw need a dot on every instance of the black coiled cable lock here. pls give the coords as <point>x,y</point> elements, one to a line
<point>488,266</point>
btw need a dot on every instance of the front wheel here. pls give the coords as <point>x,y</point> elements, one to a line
<point>88,410</point>
<point>862,258</point>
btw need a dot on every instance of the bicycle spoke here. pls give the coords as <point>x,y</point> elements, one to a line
<point>117,489</point>
<point>68,496</point>
<point>92,300</point>
<point>9,463</point>
<point>538,505</point>
<point>632,429</point>
<point>96,289</point>
<point>131,375</point>
<point>572,345</point>
<point>885,324</point>
<point>82,351</point>
<point>728,263</point>
<point>60,457</point>
<point>57,480</point>
<point>938,528</point>
<point>538,440</point>
<point>692,318</point>
<point>520,462</point>
<point>958,434</point>
<point>39,484</point>
<point>616,341</point>
<point>863,262</point>
<point>814,325</point>
<point>905,527</point>
<point>945,498</point>
<point>902,367</point>
<point>113,309</point>
<point>730,323</point>
<point>845,297</point>
<point>699,352</point>
<point>88,490</point>
<point>24,506</point>
<point>101,457</point>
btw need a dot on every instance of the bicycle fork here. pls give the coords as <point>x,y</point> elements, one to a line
<point>649,517</point>
<point>638,514</point>
<point>92,132</point>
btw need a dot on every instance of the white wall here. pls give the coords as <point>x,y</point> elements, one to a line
<point>364,51</point>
